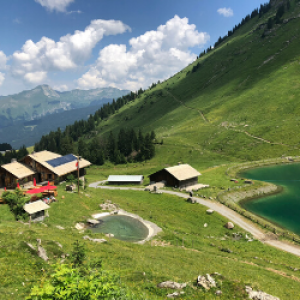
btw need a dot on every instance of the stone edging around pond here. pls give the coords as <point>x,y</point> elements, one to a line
<point>152,227</point>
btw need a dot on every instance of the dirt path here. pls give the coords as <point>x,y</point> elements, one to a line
<point>226,212</point>
<point>188,107</point>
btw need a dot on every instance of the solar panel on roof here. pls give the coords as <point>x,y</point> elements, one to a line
<point>61,160</point>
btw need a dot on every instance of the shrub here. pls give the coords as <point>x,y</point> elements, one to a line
<point>81,284</point>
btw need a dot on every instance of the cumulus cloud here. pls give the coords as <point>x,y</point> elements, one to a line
<point>36,59</point>
<point>2,78</point>
<point>153,56</point>
<point>61,88</point>
<point>226,12</point>
<point>58,5</point>
<point>3,60</point>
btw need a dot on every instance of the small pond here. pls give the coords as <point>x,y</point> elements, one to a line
<point>283,208</point>
<point>124,228</point>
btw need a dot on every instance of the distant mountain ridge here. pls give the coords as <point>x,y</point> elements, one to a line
<point>43,100</point>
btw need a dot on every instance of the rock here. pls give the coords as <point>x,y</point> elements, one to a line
<point>285,21</point>
<point>205,225</point>
<point>226,250</point>
<point>191,200</point>
<point>86,237</point>
<point>30,246</point>
<point>110,235</point>
<point>211,281</point>
<point>209,211</point>
<point>229,225</point>
<point>92,221</point>
<point>174,295</point>
<point>58,244</point>
<point>218,293</point>
<point>171,285</point>
<point>79,226</point>
<point>59,227</point>
<point>201,281</point>
<point>259,295</point>
<point>41,252</point>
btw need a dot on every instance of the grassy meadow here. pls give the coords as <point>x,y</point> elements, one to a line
<point>190,248</point>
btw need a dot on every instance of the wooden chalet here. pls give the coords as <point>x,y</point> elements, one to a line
<point>180,176</point>
<point>11,174</point>
<point>52,166</point>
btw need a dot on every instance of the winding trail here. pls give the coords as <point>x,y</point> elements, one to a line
<point>188,107</point>
<point>224,211</point>
<point>259,138</point>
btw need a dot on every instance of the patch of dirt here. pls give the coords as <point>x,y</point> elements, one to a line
<point>160,243</point>
<point>281,273</point>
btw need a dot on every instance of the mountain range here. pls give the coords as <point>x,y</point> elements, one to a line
<point>26,116</point>
<point>43,100</point>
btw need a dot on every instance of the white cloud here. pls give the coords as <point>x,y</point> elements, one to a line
<point>35,77</point>
<point>61,88</point>
<point>36,59</point>
<point>74,12</point>
<point>153,56</point>
<point>58,5</point>
<point>3,60</point>
<point>226,12</point>
<point>2,78</point>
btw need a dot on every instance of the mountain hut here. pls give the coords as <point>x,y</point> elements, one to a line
<point>180,176</point>
<point>11,174</point>
<point>53,166</point>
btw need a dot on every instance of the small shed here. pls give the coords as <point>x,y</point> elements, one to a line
<point>36,210</point>
<point>125,179</point>
<point>180,176</point>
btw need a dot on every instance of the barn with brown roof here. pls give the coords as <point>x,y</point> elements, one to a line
<point>180,176</point>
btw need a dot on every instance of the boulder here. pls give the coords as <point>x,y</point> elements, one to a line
<point>175,294</point>
<point>209,211</point>
<point>92,221</point>
<point>171,285</point>
<point>59,227</point>
<point>86,237</point>
<point>259,295</point>
<point>110,235</point>
<point>79,226</point>
<point>205,225</point>
<point>218,292</point>
<point>201,281</point>
<point>191,200</point>
<point>41,252</point>
<point>229,225</point>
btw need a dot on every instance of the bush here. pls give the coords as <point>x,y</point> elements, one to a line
<point>81,284</point>
<point>16,200</point>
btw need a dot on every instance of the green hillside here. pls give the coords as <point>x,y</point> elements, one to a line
<point>240,104</point>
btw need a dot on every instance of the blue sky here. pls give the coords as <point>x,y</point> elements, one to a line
<point>88,44</point>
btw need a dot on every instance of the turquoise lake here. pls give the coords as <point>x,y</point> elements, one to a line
<point>123,227</point>
<point>283,208</point>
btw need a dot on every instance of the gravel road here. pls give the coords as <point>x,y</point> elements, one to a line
<point>234,217</point>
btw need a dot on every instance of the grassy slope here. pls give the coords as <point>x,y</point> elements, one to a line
<point>250,263</point>
<point>233,87</point>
